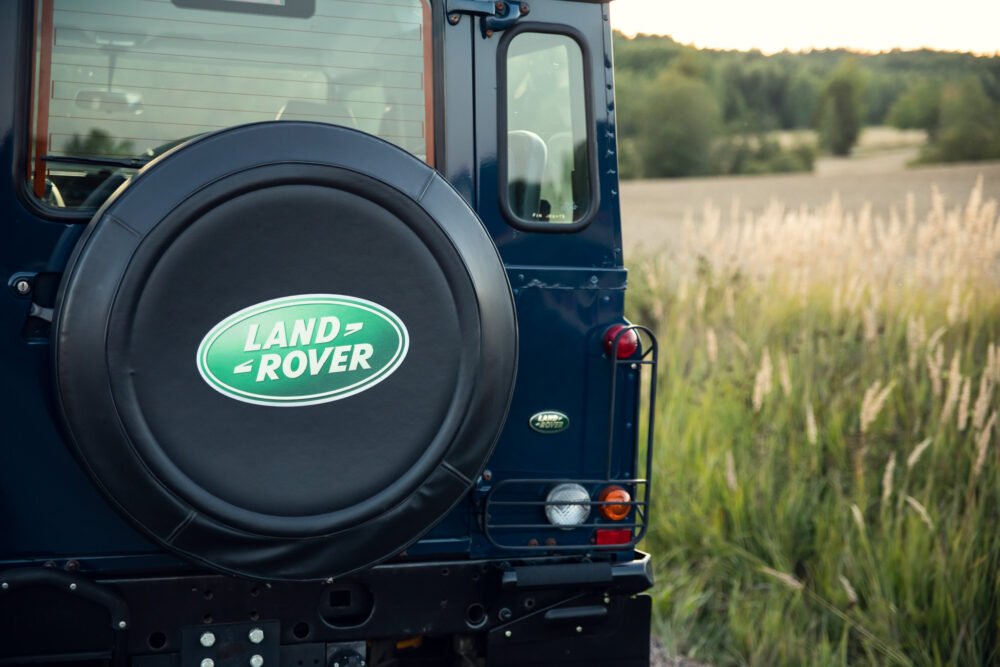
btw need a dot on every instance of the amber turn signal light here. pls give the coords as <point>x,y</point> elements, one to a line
<point>619,503</point>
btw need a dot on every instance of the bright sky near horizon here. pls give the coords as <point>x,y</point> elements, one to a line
<point>799,25</point>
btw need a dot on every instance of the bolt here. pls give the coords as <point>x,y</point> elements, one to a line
<point>207,639</point>
<point>256,660</point>
<point>501,7</point>
<point>508,634</point>
<point>487,475</point>
<point>550,542</point>
<point>489,33</point>
<point>505,614</point>
<point>208,662</point>
<point>72,587</point>
<point>454,19</point>
<point>533,542</point>
<point>256,636</point>
<point>525,8</point>
<point>22,287</point>
<point>122,625</point>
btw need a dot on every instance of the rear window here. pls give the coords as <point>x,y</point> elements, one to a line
<point>117,83</point>
<point>546,148</point>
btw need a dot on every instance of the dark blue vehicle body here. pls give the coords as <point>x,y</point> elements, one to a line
<point>569,288</point>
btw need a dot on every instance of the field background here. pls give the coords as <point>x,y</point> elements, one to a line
<point>827,483</point>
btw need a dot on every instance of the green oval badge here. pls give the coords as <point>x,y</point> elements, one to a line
<point>549,421</point>
<point>302,350</point>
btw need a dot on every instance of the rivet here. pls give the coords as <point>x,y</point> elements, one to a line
<point>5,585</point>
<point>579,629</point>
<point>501,7</point>
<point>256,660</point>
<point>122,625</point>
<point>508,634</point>
<point>208,662</point>
<point>525,8</point>
<point>72,587</point>
<point>256,636</point>
<point>207,639</point>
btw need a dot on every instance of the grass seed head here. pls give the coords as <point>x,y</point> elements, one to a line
<point>963,404</point>
<point>983,400</point>
<point>763,382</point>
<point>812,433</point>
<point>785,578</point>
<point>917,452</point>
<point>982,445</point>
<point>852,595</point>
<point>920,510</point>
<point>954,387</point>
<point>890,469</point>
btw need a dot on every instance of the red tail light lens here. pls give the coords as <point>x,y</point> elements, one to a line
<point>616,536</point>
<point>628,343</point>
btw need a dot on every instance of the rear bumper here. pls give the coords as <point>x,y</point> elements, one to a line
<point>544,610</point>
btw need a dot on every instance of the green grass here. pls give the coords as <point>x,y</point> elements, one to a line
<point>778,545</point>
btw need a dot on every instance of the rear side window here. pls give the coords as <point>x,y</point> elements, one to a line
<point>117,83</point>
<point>548,179</point>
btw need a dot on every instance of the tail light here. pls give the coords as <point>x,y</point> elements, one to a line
<point>628,342</point>
<point>619,503</point>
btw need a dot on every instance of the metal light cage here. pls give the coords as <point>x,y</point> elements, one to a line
<point>645,360</point>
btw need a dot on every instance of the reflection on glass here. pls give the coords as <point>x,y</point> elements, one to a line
<point>548,171</point>
<point>118,82</point>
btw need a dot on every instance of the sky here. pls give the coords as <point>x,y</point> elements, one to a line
<point>799,25</point>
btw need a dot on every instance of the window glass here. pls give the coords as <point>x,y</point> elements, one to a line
<point>116,83</point>
<point>548,170</point>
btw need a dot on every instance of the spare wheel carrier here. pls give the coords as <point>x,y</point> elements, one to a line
<point>247,218</point>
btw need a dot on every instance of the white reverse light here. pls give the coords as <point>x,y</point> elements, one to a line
<point>569,505</point>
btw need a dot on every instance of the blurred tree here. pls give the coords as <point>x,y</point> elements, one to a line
<point>969,124</point>
<point>98,142</point>
<point>676,122</point>
<point>919,107</point>
<point>841,111</point>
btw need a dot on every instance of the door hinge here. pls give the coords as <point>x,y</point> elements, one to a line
<point>495,15</point>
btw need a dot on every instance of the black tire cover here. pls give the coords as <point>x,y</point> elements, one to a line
<point>292,219</point>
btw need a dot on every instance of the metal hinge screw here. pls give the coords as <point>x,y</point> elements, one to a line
<point>256,636</point>
<point>256,660</point>
<point>207,639</point>
<point>22,287</point>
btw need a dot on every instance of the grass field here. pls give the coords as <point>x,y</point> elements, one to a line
<point>827,483</point>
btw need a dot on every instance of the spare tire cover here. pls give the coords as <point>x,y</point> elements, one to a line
<point>285,350</point>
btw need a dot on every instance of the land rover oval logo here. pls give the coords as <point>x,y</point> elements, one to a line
<point>302,350</point>
<point>549,421</point>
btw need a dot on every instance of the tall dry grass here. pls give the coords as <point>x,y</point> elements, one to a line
<point>827,474</point>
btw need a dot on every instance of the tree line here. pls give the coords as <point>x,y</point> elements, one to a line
<point>684,111</point>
